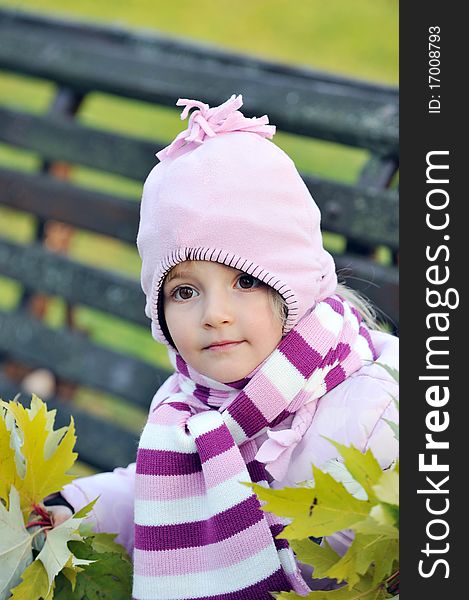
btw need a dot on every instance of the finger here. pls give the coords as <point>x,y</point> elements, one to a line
<point>59,514</point>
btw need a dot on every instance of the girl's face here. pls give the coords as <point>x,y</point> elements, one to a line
<point>221,319</point>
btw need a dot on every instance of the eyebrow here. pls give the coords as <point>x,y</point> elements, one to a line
<point>181,274</point>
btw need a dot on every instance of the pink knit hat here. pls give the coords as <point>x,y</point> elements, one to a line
<point>223,192</point>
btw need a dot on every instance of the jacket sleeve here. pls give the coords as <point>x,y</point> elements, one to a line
<point>114,510</point>
<point>381,439</point>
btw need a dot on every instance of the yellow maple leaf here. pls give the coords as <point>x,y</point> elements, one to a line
<point>34,583</point>
<point>47,461</point>
<point>8,473</point>
<point>70,571</point>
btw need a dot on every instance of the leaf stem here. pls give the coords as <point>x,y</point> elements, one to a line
<point>392,576</point>
<point>44,517</point>
<point>392,583</point>
<point>38,509</point>
<point>40,523</point>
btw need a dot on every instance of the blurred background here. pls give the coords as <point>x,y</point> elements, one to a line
<point>356,39</point>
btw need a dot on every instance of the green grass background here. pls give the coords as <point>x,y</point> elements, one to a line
<point>357,39</point>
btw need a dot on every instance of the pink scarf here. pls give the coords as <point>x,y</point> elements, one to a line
<point>199,533</point>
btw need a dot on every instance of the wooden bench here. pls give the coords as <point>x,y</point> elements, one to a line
<point>80,59</point>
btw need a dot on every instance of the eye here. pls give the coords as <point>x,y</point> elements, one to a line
<point>183,293</point>
<point>247,282</point>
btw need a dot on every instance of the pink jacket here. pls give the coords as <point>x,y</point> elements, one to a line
<point>352,414</point>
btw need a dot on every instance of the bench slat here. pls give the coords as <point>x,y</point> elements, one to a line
<point>50,198</point>
<point>100,443</point>
<point>51,273</point>
<point>73,357</point>
<point>144,41</point>
<point>135,67</point>
<point>364,214</point>
<point>378,171</point>
<point>63,139</point>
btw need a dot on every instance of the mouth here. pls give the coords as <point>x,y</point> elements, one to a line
<point>223,345</point>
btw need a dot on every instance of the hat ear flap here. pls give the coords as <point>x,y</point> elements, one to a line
<point>162,319</point>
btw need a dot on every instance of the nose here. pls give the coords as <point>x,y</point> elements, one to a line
<point>218,310</point>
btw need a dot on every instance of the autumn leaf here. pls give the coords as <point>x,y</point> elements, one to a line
<point>47,460</point>
<point>55,553</point>
<point>340,473</point>
<point>363,466</point>
<point>15,544</point>
<point>288,596</point>
<point>7,457</point>
<point>70,571</point>
<point>322,557</point>
<point>54,437</point>
<point>378,522</point>
<point>364,551</point>
<point>363,590</point>
<point>36,458</point>
<point>17,554</point>
<point>107,578</point>
<point>34,585</point>
<point>83,512</point>
<point>354,494</point>
<point>289,502</point>
<point>333,508</point>
<point>387,488</point>
<point>104,543</point>
<point>385,559</point>
<point>317,511</point>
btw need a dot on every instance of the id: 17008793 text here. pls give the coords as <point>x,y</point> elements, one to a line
<point>434,50</point>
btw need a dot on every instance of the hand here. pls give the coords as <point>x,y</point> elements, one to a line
<point>59,514</point>
<point>58,509</point>
<point>43,519</point>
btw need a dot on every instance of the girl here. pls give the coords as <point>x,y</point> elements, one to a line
<point>271,356</point>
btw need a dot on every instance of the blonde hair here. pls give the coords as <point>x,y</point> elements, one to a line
<point>362,304</point>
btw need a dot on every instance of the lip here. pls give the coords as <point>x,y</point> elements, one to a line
<point>223,345</point>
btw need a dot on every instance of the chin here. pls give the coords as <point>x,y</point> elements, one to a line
<point>227,377</point>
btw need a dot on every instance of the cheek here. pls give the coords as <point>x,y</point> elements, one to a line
<point>265,323</point>
<point>178,325</point>
<point>169,318</point>
<point>275,332</point>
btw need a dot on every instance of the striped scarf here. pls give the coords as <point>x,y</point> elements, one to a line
<point>199,533</point>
